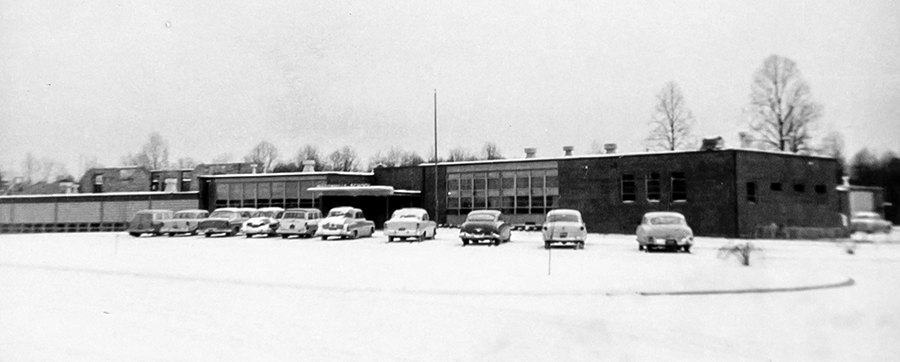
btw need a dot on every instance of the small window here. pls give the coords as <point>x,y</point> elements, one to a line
<point>98,179</point>
<point>628,188</point>
<point>508,183</point>
<point>126,174</point>
<point>653,190</point>
<point>775,186</point>
<point>679,187</point>
<point>751,192</point>
<point>801,188</point>
<point>359,215</point>
<point>820,189</point>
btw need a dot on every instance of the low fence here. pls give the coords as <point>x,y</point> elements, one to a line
<point>84,212</point>
<point>798,232</point>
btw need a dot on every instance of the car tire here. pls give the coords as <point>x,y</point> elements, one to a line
<point>324,237</point>
<point>136,235</point>
<point>284,236</point>
<point>371,232</point>
<point>390,239</point>
<point>497,242</point>
<point>687,248</point>
<point>640,247</point>
<point>248,235</point>
<point>354,235</point>
<point>547,245</point>
<point>207,235</point>
<point>465,242</point>
<point>422,237</point>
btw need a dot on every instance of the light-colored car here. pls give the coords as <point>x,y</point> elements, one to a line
<point>485,225</point>
<point>869,222</point>
<point>664,230</point>
<point>410,223</point>
<point>345,222</point>
<point>300,222</point>
<point>148,222</point>
<point>265,222</point>
<point>564,226</point>
<point>183,222</point>
<point>227,220</point>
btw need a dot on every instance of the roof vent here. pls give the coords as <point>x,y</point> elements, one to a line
<point>530,152</point>
<point>712,144</point>
<point>309,166</point>
<point>610,147</point>
<point>568,150</point>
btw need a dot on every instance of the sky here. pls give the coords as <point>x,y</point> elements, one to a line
<point>92,79</point>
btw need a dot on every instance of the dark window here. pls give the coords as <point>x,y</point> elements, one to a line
<point>653,190</point>
<point>751,192</point>
<point>775,186</point>
<point>453,185</point>
<point>522,182</point>
<point>98,183</point>
<point>186,180</point>
<point>479,184</point>
<point>820,189</point>
<point>493,183</point>
<point>551,182</point>
<point>522,204</point>
<point>154,181</point>
<point>465,184</point>
<point>508,183</point>
<point>628,188</point>
<point>679,187</point>
<point>508,204</point>
<point>800,188</point>
<point>452,202</point>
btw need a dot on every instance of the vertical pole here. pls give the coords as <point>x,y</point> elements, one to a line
<point>549,260</point>
<point>436,193</point>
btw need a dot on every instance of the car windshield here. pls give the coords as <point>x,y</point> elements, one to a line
<point>563,218</point>
<point>142,217</point>
<point>406,216</point>
<point>340,213</point>
<point>866,215</point>
<point>184,215</point>
<point>481,217</point>
<point>294,215</point>
<point>266,214</point>
<point>666,220</point>
<point>222,214</point>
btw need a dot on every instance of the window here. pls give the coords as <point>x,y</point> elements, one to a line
<point>775,186</point>
<point>628,188</point>
<point>820,189</point>
<point>679,187</point>
<point>186,180</point>
<point>154,181</point>
<point>126,174</point>
<point>801,188</point>
<point>98,183</point>
<point>751,192</point>
<point>508,183</point>
<point>551,181</point>
<point>453,185</point>
<point>653,190</point>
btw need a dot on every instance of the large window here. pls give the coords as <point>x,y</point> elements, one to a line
<point>512,192</point>
<point>679,187</point>
<point>186,180</point>
<point>653,187</point>
<point>629,193</point>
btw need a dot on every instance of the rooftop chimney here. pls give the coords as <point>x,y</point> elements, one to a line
<point>253,167</point>
<point>309,166</point>
<point>530,152</point>
<point>568,150</point>
<point>712,144</point>
<point>610,147</point>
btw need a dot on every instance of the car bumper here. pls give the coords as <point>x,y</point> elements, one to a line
<point>474,236</point>
<point>570,239</point>
<point>299,231</point>
<point>178,230</point>
<point>265,229</point>
<point>669,242</point>
<point>333,232</point>
<point>402,233</point>
<point>216,230</point>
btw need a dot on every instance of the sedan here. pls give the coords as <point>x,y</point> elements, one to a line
<point>485,225</point>
<point>564,226</point>
<point>410,223</point>
<point>264,223</point>
<point>184,222</point>
<point>869,222</point>
<point>345,222</point>
<point>664,230</point>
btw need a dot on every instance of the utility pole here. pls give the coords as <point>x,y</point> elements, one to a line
<point>437,216</point>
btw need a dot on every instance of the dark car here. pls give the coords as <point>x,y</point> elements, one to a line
<point>226,221</point>
<point>485,225</point>
<point>148,222</point>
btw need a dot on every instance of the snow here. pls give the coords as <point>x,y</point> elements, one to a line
<point>111,297</point>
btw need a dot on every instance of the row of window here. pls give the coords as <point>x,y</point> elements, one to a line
<point>513,192</point>
<point>752,194</point>
<point>266,194</point>
<point>652,183</point>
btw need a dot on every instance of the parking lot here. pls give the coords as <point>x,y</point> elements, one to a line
<point>108,296</point>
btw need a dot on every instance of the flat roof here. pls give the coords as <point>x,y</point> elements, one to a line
<point>375,190</point>
<point>90,194</point>
<point>617,155</point>
<point>288,174</point>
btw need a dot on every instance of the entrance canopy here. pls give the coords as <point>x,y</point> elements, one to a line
<point>365,190</point>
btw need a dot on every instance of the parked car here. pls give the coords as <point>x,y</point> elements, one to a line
<point>564,226</point>
<point>265,222</point>
<point>485,225</point>
<point>184,222</point>
<point>226,221</point>
<point>869,222</point>
<point>665,230</point>
<point>409,223</point>
<point>148,222</point>
<point>345,222</point>
<point>300,222</point>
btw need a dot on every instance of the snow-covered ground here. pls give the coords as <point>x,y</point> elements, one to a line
<point>110,297</point>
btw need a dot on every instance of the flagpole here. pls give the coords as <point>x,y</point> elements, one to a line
<point>436,193</point>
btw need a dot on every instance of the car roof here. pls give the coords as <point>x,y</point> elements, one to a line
<point>302,209</point>
<point>491,212</point>
<point>343,208</point>
<point>270,209</point>
<point>191,210</point>
<point>564,211</point>
<point>153,211</point>
<point>228,209</point>
<point>663,213</point>
<point>866,213</point>
<point>411,210</point>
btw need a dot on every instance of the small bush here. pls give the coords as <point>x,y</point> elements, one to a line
<point>741,251</point>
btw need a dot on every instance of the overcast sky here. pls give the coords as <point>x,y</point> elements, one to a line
<point>96,77</point>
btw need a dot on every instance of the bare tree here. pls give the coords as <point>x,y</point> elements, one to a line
<point>394,157</point>
<point>263,154</point>
<point>491,151</point>
<point>154,154</point>
<point>461,154</point>
<point>31,168</point>
<point>86,163</point>
<point>310,152</point>
<point>781,106</point>
<point>185,162</point>
<point>833,146</point>
<point>672,120</point>
<point>223,158</point>
<point>343,159</point>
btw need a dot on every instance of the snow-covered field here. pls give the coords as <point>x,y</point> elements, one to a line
<point>110,297</point>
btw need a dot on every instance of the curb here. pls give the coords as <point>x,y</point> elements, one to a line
<point>846,283</point>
